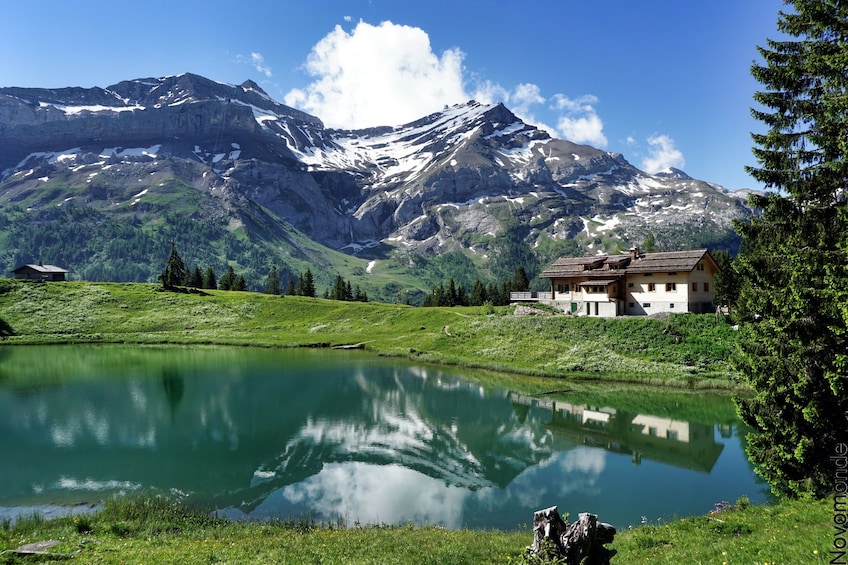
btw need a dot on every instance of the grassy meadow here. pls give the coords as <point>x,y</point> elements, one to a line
<point>683,354</point>
<point>686,351</point>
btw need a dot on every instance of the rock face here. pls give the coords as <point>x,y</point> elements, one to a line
<point>451,181</point>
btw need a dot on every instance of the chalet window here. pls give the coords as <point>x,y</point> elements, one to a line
<point>563,287</point>
<point>694,287</point>
<point>647,305</point>
<point>629,285</point>
<point>670,287</point>
<point>706,287</point>
<point>671,305</point>
<point>631,304</point>
<point>652,287</point>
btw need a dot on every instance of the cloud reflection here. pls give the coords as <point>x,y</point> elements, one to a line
<point>377,494</point>
<point>393,494</point>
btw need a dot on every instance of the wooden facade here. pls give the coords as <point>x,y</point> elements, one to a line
<point>40,272</point>
<point>634,284</point>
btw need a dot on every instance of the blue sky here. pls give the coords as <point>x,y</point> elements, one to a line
<point>665,83</point>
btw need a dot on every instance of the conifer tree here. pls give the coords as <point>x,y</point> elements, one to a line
<point>209,280</point>
<point>228,279</point>
<point>196,278</point>
<point>175,273</point>
<point>520,282</point>
<point>794,294</point>
<point>478,293</point>
<point>272,284</point>
<point>306,284</point>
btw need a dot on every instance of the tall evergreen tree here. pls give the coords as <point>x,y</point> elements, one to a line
<point>209,280</point>
<point>175,273</point>
<point>272,284</point>
<point>228,279</point>
<point>520,282</point>
<point>359,295</point>
<point>195,280</point>
<point>306,284</point>
<point>793,260</point>
<point>478,293</point>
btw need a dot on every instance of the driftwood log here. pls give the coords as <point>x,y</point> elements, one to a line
<point>581,543</point>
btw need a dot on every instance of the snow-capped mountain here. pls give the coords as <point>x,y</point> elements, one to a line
<point>451,181</point>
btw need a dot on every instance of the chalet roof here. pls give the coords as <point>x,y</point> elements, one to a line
<point>612,265</point>
<point>40,268</point>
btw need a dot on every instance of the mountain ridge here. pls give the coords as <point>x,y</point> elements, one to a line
<point>457,181</point>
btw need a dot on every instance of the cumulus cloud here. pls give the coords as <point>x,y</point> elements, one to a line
<point>257,61</point>
<point>378,75</point>
<point>388,74</point>
<point>579,121</point>
<point>662,155</point>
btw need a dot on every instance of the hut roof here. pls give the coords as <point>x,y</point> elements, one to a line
<point>40,268</point>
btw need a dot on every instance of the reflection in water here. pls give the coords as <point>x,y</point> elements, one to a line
<point>174,387</point>
<point>287,433</point>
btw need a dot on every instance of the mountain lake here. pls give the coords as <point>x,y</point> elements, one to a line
<point>344,436</point>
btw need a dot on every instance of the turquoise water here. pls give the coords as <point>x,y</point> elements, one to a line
<point>343,435</point>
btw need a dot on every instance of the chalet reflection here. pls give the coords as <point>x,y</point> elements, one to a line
<point>688,445</point>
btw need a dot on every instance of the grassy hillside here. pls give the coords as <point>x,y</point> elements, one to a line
<point>683,350</point>
<point>154,531</point>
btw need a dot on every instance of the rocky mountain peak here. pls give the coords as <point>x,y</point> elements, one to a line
<point>450,181</point>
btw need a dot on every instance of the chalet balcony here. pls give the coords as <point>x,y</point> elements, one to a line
<point>530,296</point>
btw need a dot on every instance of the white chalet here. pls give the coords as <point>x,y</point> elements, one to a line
<point>631,285</point>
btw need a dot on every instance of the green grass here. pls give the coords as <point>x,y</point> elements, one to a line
<point>686,351</point>
<point>597,359</point>
<point>149,530</point>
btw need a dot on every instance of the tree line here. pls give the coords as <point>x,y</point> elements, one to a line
<point>479,294</point>
<point>176,275</point>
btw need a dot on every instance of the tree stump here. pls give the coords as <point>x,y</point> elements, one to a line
<point>581,543</point>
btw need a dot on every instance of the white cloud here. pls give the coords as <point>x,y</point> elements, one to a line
<point>663,154</point>
<point>578,121</point>
<point>378,75</point>
<point>258,62</point>
<point>388,74</point>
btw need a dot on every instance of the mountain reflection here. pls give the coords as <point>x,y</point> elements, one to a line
<point>278,434</point>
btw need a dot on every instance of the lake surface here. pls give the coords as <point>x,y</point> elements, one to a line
<point>343,435</point>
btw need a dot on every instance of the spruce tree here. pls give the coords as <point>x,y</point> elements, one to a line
<point>338,292</point>
<point>520,282</point>
<point>196,278</point>
<point>209,280</point>
<point>794,295</point>
<point>306,284</point>
<point>478,293</point>
<point>228,279</point>
<point>175,273</point>
<point>272,284</point>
